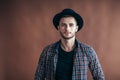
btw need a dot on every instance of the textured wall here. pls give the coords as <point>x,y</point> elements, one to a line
<point>26,27</point>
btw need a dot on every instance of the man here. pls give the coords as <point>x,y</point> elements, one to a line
<point>68,59</point>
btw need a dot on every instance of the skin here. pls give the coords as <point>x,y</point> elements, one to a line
<point>67,28</point>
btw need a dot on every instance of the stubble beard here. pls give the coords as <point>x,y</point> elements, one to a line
<point>66,38</point>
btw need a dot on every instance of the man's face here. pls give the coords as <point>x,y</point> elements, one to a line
<point>67,27</point>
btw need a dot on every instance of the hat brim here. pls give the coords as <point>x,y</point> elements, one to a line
<point>58,16</point>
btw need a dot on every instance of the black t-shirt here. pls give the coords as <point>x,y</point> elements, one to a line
<point>64,65</point>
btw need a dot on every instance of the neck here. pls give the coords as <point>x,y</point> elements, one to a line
<point>68,45</point>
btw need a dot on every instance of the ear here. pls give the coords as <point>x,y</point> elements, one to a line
<point>76,28</point>
<point>58,27</point>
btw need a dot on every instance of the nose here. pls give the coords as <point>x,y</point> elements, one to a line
<point>67,27</point>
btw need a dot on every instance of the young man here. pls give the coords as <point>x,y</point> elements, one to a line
<point>68,59</point>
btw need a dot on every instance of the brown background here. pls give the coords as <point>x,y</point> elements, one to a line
<point>26,27</point>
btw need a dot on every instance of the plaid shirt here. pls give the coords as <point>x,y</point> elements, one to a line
<point>85,57</point>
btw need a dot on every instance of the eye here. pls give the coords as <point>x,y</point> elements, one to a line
<point>71,24</point>
<point>63,25</point>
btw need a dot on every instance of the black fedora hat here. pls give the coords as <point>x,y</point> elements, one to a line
<point>70,12</point>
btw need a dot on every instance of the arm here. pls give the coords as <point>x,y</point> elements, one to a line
<point>94,65</point>
<point>40,71</point>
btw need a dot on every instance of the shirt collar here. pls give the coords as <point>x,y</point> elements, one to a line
<point>56,47</point>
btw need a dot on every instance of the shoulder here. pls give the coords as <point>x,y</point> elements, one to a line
<point>51,46</point>
<point>84,45</point>
<point>87,49</point>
